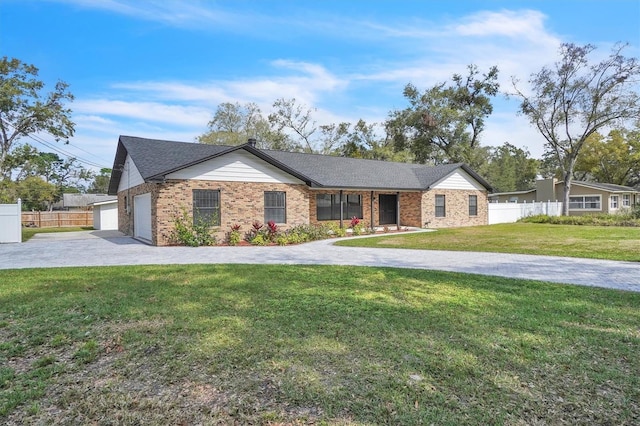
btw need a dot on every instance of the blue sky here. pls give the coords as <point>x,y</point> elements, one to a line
<point>159,69</point>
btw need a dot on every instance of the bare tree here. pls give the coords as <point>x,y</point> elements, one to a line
<point>292,117</point>
<point>573,99</point>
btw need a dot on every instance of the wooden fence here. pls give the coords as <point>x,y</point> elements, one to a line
<point>56,219</point>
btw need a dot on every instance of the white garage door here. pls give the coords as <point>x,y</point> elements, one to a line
<point>142,217</point>
<point>109,216</point>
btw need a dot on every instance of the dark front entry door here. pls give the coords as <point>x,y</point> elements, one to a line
<point>388,208</point>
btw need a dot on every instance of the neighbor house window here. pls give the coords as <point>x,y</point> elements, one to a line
<point>613,202</point>
<point>275,207</point>
<point>585,202</point>
<point>626,200</point>
<point>328,206</point>
<point>206,206</point>
<point>440,206</point>
<point>473,205</point>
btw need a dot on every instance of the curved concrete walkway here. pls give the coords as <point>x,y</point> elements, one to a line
<point>103,248</point>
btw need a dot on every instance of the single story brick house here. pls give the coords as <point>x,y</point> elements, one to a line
<point>156,179</point>
<point>584,198</point>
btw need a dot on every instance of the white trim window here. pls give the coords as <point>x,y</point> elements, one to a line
<point>585,202</point>
<point>613,202</point>
<point>626,200</point>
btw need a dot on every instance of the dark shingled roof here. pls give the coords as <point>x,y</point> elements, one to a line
<point>157,158</point>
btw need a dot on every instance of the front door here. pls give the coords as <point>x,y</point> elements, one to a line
<point>388,209</point>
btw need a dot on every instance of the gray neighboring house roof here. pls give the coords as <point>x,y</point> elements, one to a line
<point>610,187</point>
<point>157,158</point>
<point>84,200</point>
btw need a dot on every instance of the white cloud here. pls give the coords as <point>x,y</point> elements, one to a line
<point>149,111</point>
<point>171,12</point>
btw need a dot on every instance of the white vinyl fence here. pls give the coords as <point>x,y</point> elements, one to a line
<point>11,223</point>
<point>511,212</point>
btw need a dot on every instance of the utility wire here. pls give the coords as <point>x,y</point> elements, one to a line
<point>59,150</point>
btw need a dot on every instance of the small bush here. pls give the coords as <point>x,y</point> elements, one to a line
<point>356,226</point>
<point>234,236</point>
<point>259,240</point>
<point>188,233</point>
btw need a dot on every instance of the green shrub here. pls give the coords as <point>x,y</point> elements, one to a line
<point>588,219</point>
<point>259,240</point>
<point>187,233</point>
<point>234,235</point>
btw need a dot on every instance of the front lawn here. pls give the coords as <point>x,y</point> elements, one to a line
<point>251,344</point>
<point>596,242</point>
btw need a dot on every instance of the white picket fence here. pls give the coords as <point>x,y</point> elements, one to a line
<point>11,223</point>
<point>511,212</point>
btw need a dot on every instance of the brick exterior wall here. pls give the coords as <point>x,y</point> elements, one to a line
<point>243,203</point>
<point>240,203</point>
<point>456,208</point>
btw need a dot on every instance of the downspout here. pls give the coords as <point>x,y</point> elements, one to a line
<point>341,210</point>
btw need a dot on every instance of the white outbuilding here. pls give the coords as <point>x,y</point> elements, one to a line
<point>105,215</point>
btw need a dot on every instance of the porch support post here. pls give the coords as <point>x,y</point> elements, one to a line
<point>373,226</point>
<point>398,210</point>
<point>341,210</point>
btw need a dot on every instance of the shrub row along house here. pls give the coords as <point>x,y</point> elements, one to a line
<point>156,180</point>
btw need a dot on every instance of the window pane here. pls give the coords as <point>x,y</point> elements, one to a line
<point>354,206</point>
<point>473,205</point>
<point>626,200</point>
<point>576,202</point>
<point>440,206</point>
<point>323,206</point>
<point>592,203</point>
<point>335,206</point>
<point>206,206</point>
<point>274,207</point>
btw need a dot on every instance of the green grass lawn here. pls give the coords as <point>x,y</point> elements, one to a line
<point>596,242</point>
<point>252,344</point>
<point>27,233</point>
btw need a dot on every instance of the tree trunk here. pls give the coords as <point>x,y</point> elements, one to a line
<point>565,195</point>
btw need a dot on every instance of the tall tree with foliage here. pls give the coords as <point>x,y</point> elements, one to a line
<point>511,169</point>
<point>365,140</point>
<point>25,109</point>
<point>443,124</point>
<point>611,159</point>
<point>100,182</point>
<point>574,98</point>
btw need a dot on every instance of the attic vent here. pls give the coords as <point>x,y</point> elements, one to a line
<point>252,142</point>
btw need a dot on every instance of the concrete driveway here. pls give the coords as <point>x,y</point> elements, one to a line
<point>105,248</point>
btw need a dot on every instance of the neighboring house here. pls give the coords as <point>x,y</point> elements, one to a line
<point>585,197</point>
<point>83,202</point>
<point>156,180</point>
